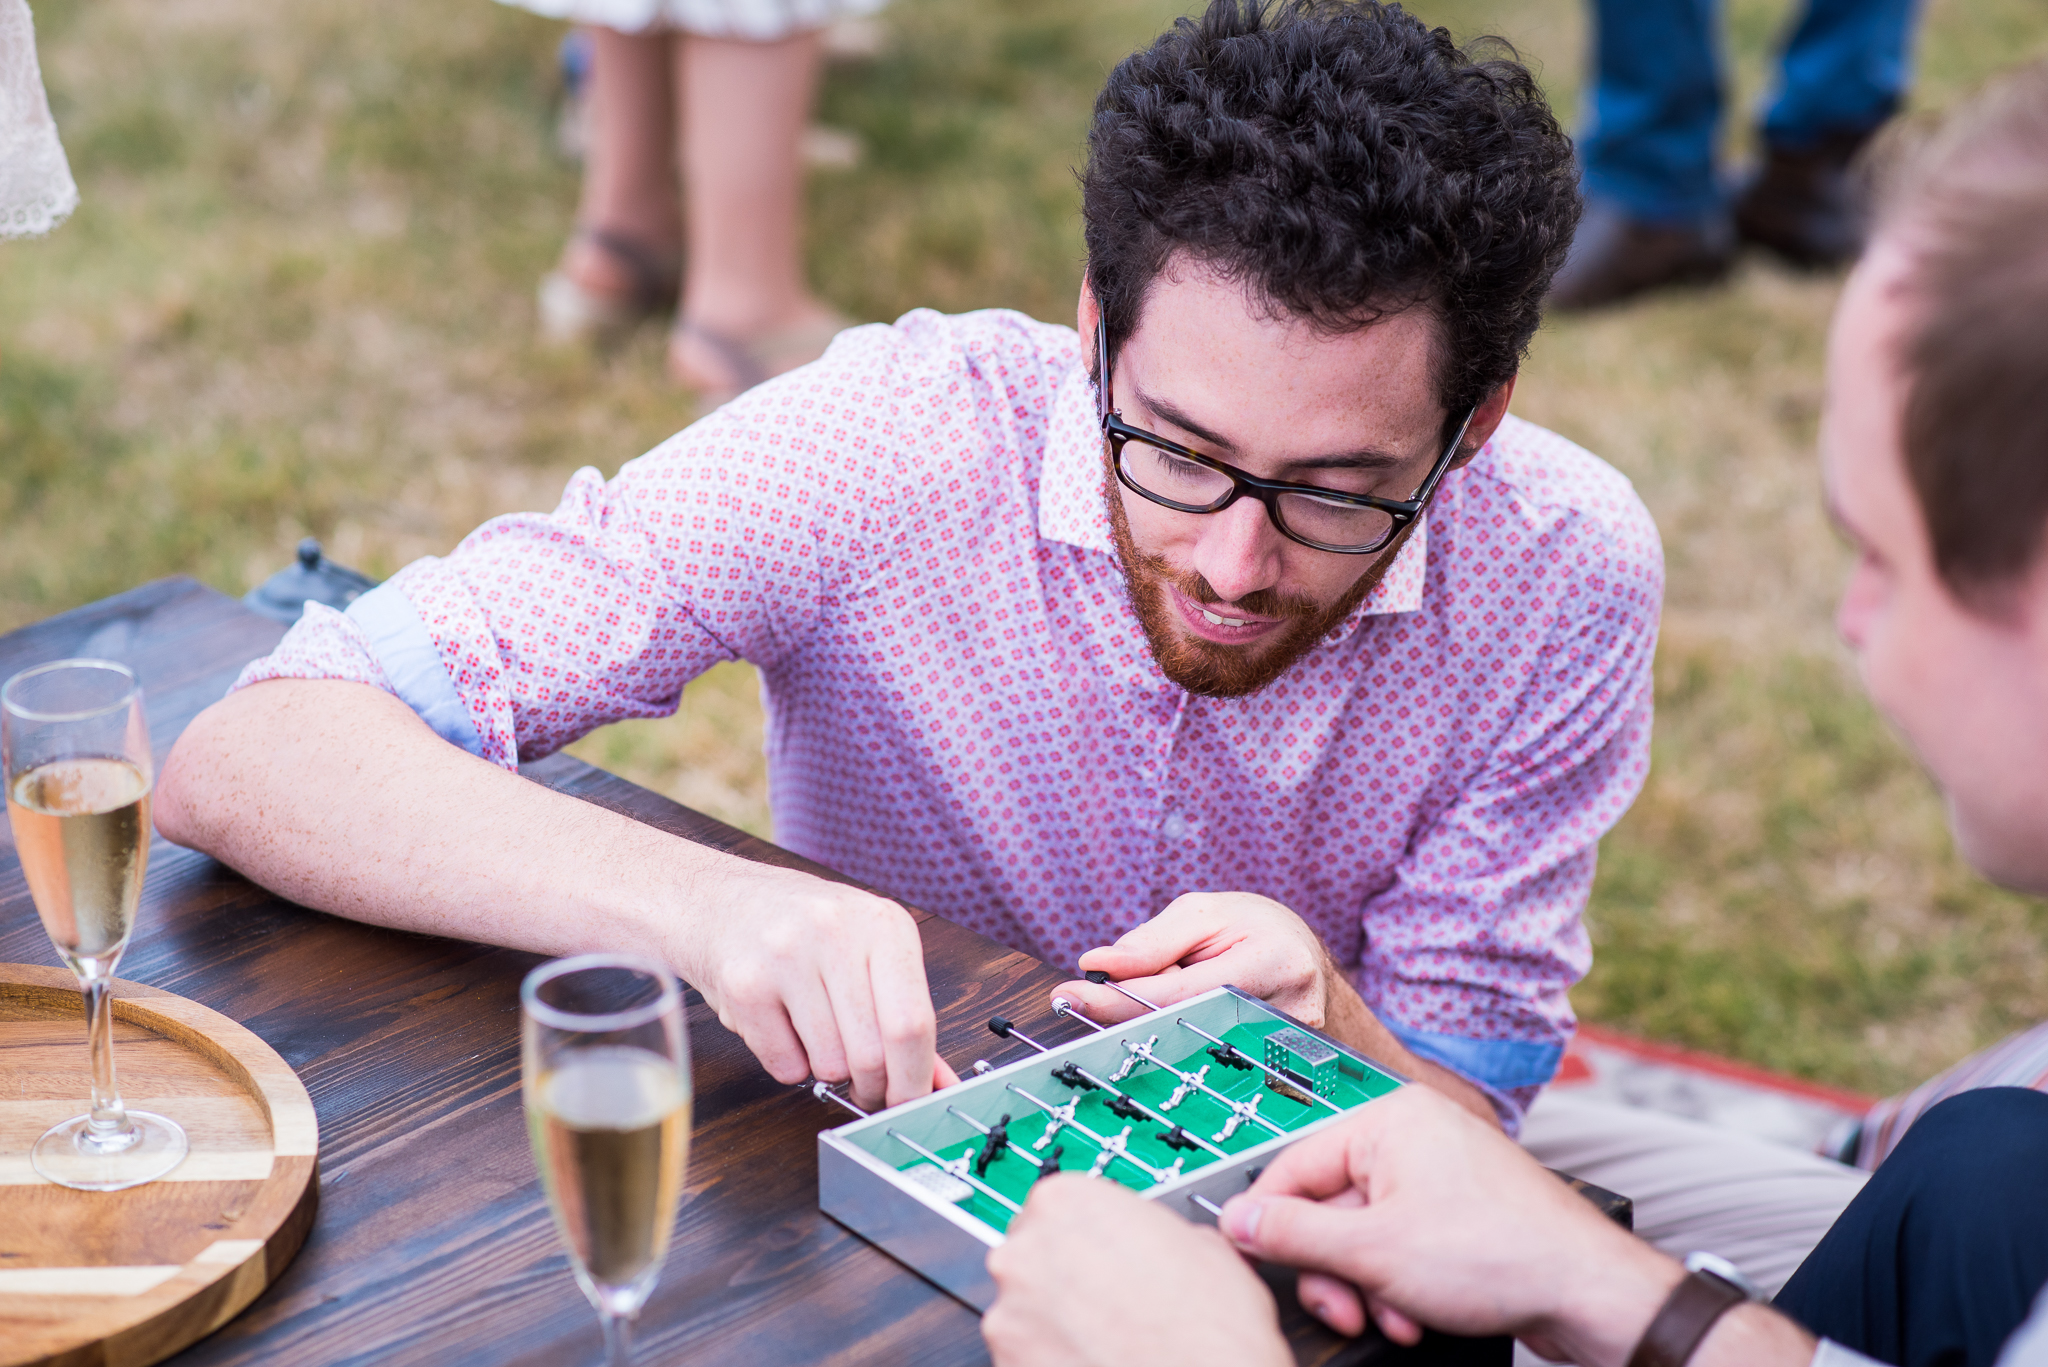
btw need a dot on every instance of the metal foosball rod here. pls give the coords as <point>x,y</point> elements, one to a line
<point>1063,1117</point>
<point>1002,1029</point>
<point>1102,979</point>
<point>959,1168</point>
<point>823,1091</point>
<point>1243,1110</point>
<point>1267,1069</point>
<point>1062,1007</point>
<point>1195,1198</point>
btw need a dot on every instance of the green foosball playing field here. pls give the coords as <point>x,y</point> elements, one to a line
<point>1192,1092</point>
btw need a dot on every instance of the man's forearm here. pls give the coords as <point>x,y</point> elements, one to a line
<point>335,795</point>
<point>1346,1017</point>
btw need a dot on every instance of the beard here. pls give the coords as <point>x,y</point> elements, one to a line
<point>1203,667</point>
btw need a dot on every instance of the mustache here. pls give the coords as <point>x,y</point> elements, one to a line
<point>1258,603</point>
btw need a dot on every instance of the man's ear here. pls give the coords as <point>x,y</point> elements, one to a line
<point>1485,419</point>
<point>1086,316</point>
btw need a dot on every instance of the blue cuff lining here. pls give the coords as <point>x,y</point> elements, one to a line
<point>1502,1064</point>
<point>412,663</point>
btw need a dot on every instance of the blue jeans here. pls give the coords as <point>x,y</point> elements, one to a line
<point>1655,109</point>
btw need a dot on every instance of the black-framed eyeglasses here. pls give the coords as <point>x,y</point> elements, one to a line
<point>1172,476</point>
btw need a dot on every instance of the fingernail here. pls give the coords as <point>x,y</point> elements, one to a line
<point>1241,1220</point>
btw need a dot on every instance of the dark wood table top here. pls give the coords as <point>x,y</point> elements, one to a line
<point>432,1242</point>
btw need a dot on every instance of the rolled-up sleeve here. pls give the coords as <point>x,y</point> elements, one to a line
<point>723,543</point>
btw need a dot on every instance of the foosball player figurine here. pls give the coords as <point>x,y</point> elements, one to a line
<point>1178,1138</point>
<point>998,1140</point>
<point>1126,1109</point>
<point>1050,1164</point>
<point>1072,1076</point>
<point>1228,1056</point>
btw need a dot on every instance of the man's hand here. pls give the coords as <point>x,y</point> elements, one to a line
<point>1092,1275</point>
<point>1419,1214</point>
<point>820,980</point>
<point>1208,939</point>
<point>1204,940</point>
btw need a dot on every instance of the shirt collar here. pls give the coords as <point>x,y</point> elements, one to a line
<point>1070,482</point>
<point>1070,505</point>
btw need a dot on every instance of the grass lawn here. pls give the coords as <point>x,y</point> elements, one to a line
<point>298,299</point>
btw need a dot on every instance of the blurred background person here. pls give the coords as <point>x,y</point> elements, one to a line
<point>694,114</point>
<point>36,189</point>
<point>1657,211</point>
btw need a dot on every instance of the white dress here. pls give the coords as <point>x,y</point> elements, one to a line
<point>756,20</point>
<point>36,189</point>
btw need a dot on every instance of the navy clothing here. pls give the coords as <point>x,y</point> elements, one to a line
<point>1654,115</point>
<point>1940,1256</point>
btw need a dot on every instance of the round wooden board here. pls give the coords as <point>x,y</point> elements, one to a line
<point>126,1278</point>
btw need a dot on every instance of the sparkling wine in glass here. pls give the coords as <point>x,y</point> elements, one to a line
<point>606,1067</point>
<point>76,753</point>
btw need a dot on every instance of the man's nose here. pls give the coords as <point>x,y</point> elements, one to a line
<point>1240,550</point>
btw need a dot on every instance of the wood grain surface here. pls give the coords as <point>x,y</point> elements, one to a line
<point>432,1244</point>
<point>127,1278</point>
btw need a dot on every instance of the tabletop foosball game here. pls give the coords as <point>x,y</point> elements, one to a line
<point>1184,1105</point>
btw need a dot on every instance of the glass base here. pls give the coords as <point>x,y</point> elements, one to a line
<point>71,1155</point>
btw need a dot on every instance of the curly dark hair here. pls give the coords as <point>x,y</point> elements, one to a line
<point>1343,162</point>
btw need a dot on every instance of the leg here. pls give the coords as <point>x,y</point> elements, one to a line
<point>744,108</point>
<point>1654,212</point>
<point>1696,1187</point>
<point>629,173</point>
<point>1845,71</point>
<point>620,264</point>
<point>1940,1257</point>
<point>1655,105</point>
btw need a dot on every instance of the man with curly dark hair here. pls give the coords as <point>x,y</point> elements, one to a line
<point>1252,585</point>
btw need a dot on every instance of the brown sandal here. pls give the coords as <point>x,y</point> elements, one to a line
<point>573,315</point>
<point>751,360</point>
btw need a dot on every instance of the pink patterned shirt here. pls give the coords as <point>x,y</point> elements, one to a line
<point>908,539</point>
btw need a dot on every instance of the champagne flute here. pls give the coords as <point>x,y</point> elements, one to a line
<point>76,753</point>
<point>606,1067</point>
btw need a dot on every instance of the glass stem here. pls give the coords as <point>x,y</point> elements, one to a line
<point>109,1118</point>
<point>618,1338</point>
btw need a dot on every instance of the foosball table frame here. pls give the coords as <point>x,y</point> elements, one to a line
<point>883,1176</point>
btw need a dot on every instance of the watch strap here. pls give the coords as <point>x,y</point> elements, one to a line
<point>1684,1319</point>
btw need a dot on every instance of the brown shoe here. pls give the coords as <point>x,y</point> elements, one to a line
<point>1615,256</point>
<point>1808,206</point>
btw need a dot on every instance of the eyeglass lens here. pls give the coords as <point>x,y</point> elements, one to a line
<point>1198,488</point>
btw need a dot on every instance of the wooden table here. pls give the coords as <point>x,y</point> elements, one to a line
<point>432,1243</point>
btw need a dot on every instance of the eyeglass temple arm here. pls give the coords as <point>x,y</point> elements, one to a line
<point>1443,464</point>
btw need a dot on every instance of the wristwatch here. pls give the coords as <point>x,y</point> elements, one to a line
<point>1712,1287</point>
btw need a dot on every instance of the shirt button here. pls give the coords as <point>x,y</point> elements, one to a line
<point>1175,827</point>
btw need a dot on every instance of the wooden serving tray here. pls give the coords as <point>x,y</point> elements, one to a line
<point>127,1278</point>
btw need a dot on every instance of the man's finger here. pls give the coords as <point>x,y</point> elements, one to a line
<point>1394,1324</point>
<point>1183,928</point>
<point>810,1014</point>
<point>903,1007</point>
<point>856,1022</point>
<point>1308,1235</point>
<point>774,1041</point>
<point>1333,1301</point>
<point>1317,1167</point>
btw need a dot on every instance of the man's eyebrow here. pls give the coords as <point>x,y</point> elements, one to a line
<point>1366,458</point>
